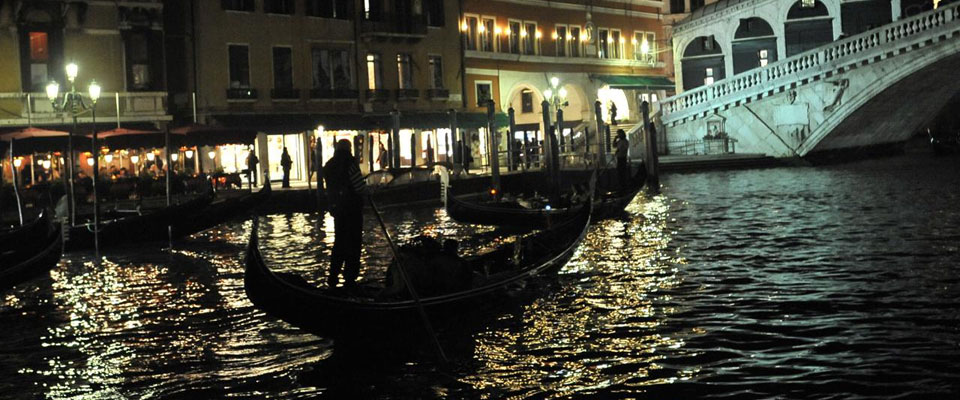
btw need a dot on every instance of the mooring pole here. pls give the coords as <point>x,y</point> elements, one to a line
<point>652,160</point>
<point>601,128</point>
<point>511,144</point>
<point>494,152</point>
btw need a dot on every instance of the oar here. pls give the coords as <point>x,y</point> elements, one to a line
<point>406,281</point>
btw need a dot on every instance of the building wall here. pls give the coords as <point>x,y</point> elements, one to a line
<point>516,72</point>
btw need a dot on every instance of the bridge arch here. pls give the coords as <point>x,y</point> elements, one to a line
<point>703,62</point>
<point>754,45</point>
<point>809,27</point>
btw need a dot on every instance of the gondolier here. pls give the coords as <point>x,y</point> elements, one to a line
<point>345,191</point>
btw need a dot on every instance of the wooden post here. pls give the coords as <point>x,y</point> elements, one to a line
<point>493,153</point>
<point>453,138</point>
<point>395,140</point>
<point>601,128</point>
<point>511,145</point>
<point>652,161</point>
<point>560,131</point>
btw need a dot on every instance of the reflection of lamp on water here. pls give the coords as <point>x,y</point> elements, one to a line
<point>108,158</point>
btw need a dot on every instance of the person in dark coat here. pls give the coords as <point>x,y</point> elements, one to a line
<point>623,169</point>
<point>345,191</point>
<point>252,162</point>
<point>286,163</point>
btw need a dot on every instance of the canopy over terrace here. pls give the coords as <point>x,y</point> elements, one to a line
<point>35,140</point>
<point>212,135</point>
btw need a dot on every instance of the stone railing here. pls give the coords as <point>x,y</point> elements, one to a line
<point>831,57</point>
<point>35,108</point>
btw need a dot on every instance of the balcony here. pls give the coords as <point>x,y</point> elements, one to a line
<point>242,94</point>
<point>378,94</point>
<point>333,94</point>
<point>408,94</point>
<point>285,94</point>
<point>394,25</point>
<point>34,108</point>
<point>438,94</point>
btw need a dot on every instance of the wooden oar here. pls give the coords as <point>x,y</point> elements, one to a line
<point>406,282</point>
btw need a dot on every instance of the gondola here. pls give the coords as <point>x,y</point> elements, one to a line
<point>220,211</point>
<point>331,313</point>
<point>15,238</point>
<point>512,214</point>
<point>34,255</point>
<point>138,228</point>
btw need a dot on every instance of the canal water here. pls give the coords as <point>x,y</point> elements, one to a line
<point>830,282</point>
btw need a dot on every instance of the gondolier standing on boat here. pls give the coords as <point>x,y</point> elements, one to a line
<point>345,191</point>
<point>623,169</point>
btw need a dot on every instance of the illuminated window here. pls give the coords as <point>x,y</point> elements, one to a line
<point>470,33</point>
<point>374,71</point>
<point>38,47</point>
<point>486,35</point>
<point>575,41</point>
<point>763,58</point>
<point>561,39</point>
<point>513,30</point>
<point>615,44</point>
<point>529,37</point>
<point>604,36</point>
<point>709,79</point>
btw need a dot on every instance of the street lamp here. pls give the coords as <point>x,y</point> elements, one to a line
<point>557,96</point>
<point>71,102</point>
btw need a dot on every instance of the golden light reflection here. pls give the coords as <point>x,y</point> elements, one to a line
<point>601,329</point>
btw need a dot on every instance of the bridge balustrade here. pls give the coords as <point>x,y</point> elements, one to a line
<point>896,35</point>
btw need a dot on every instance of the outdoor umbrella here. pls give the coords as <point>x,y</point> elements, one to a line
<point>123,138</point>
<point>36,140</point>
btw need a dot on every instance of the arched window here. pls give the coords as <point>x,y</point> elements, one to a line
<point>702,62</point>
<point>808,26</point>
<point>754,45</point>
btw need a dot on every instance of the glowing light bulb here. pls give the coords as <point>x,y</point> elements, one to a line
<point>17,162</point>
<point>90,161</point>
<point>212,154</point>
<point>175,156</point>
<point>135,159</point>
<point>46,164</point>
<point>108,158</point>
<point>188,153</point>
<point>151,156</point>
<point>554,35</point>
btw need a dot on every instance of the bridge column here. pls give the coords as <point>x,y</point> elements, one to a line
<point>895,10</point>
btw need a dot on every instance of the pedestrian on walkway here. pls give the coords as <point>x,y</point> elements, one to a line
<point>252,162</point>
<point>286,163</point>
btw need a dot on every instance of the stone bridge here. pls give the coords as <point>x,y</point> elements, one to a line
<point>877,87</point>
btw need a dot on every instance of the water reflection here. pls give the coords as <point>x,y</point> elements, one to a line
<point>795,283</point>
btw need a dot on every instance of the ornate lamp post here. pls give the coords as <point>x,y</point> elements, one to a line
<point>71,102</point>
<point>557,96</point>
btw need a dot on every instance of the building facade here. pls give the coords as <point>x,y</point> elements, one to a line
<point>305,73</point>
<point>607,51</point>
<point>114,43</point>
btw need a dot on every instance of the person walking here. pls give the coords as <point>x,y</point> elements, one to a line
<point>252,162</point>
<point>345,191</point>
<point>286,163</point>
<point>623,169</point>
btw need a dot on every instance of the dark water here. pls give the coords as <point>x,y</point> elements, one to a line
<point>829,282</point>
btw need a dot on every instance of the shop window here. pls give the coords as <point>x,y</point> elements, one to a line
<point>140,62</point>
<point>372,9</point>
